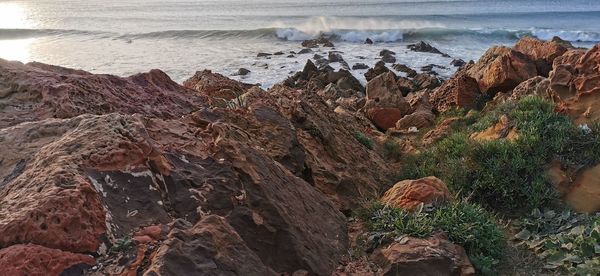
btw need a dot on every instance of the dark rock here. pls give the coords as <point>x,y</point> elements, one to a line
<point>386,52</point>
<point>242,72</point>
<point>305,51</point>
<point>457,62</point>
<point>425,48</point>
<point>388,58</point>
<point>368,41</point>
<point>411,73</point>
<point>360,66</point>
<point>377,70</point>
<point>426,81</point>
<point>278,53</point>
<point>334,57</point>
<point>263,55</point>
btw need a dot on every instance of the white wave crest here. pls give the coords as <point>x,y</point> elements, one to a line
<point>575,36</point>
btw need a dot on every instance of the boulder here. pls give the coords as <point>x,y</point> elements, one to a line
<point>388,58</point>
<point>242,72</point>
<point>216,86</point>
<point>411,73</point>
<point>377,70</point>
<point>434,256</point>
<point>305,51</point>
<point>542,53</point>
<point>314,43</point>
<point>457,62</point>
<point>501,69</point>
<point>459,91</point>
<point>419,119</point>
<point>411,194</point>
<point>537,86</point>
<point>263,55</point>
<point>405,85</point>
<point>360,66</point>
<point>335,57</point>
<point>422,46</point>
<point>368,41</point>
<point>501,130</point>
<point>210,247</point>
<point>426,81</point>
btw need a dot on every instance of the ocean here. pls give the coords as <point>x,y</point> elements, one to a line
<point>181,37</point>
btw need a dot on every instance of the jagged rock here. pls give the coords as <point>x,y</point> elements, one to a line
<point>385,103</point>
<point>210,247</point>
<point>335,57</point>
<point>411,194</point>
<point>405,85</point>
<point>425,48</point>
<point>542,53</point>
<point>411,73</point>
<point>459,91</point>
<point>457,62</point>
<point>377,70</point>
<point>305,51</point>
<point>501,69</point>
<point>216,86</point>
<point>432,256</point>
<point>360,66</point>
<point>501,130</point>
<point>388,58</point>
<point>426,81</point>
<point>538,86</point>
<point>314,43</point>
<point>42,92</point>
<point>368,41</point>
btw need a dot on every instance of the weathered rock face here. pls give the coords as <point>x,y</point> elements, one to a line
<point>315,79</point>
<point>542,53</point>
<point>35,92</point>
<point>385,103</point>
<point>432,256</point>
<point>211,247</point>
<point>501,130</point>
<point>410,194</point>
<point>377,70</point>
<point>38,260</point>
<point>216,86</point>
<point>460,91</point>
<point>274,172</point>
<point>537,86</point>
<point>426,48</point>
<point>501,69</point>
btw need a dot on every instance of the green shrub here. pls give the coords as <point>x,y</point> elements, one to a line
<point>122,245</point>
<point>392,150</point>
<point>364,140</point>
<point>466,224</point>
<point>503,175</point>
<point>565,240</point>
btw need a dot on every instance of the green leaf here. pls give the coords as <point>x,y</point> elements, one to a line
<point>578,231</point>
<point>523,235</point>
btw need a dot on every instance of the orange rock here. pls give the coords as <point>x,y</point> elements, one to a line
<point>501,69</point>
<point>33,259</point>
<point>216,85</point>
<point>500,130</point>
<point>542,53</point>
<point>440,131</point>
<point>410,194</point>
<point>385,104</point>
<point>585,194</point>
<point>432,256</point>
<point>459,91</point>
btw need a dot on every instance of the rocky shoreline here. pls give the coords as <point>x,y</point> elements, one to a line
<point>105,175</point>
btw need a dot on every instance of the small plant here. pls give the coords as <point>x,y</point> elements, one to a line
<point>364,140</point>
<point>565,240</point>
<point>315,131</point>
<point>509,176</point>
<point>122,244</point>
<point>466,224</point>
<point>392,150</point>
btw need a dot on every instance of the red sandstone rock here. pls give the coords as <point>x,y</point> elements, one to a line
<point>501,69</point>
<point>385,103</point>
<point>542,53</point>
<point>432,256</point>
<point>410,194</point>
<point>33,259</point>
<point>34,92</point>
<point>459,91</point>
<point>216,85</point>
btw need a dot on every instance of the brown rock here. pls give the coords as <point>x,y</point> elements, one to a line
<point>216,86</point>
<point>542,53</point>
<point>63,93</point>
<point>426,81</point>
<point>420,119</point>
<point>33,259</point>
<point>537,86</point>
<point>424,47</point>
<point>211,247</point>
<point>501,69</point>
<point>385,103</point>
<point>501,130</point>
<point>377,70</point>
<point>411,73</point>
<point>440,131</point>
<point>434,256</point>
<point>405,85</point>
<point>459,91</point>
<point>410,194</point>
